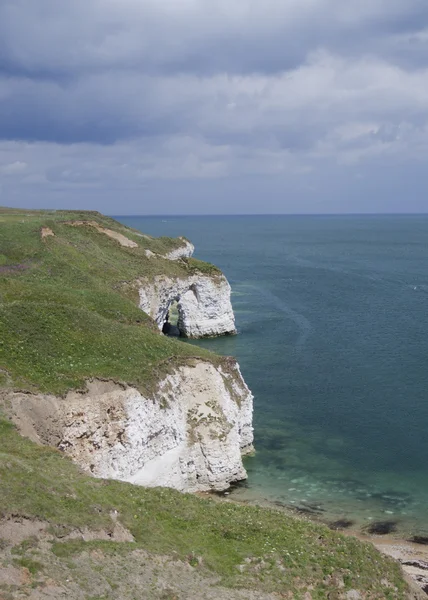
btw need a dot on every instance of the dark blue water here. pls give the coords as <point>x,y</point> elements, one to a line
<point>332,313</point>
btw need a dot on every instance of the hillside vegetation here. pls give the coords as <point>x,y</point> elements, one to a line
<point>198,542</point>
<point>69,302</point>
<point>68,312</point>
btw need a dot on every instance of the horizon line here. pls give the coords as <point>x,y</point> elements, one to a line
<point>368,214</point>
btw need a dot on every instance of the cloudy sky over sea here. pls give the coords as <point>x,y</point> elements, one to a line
<point>214,106</point>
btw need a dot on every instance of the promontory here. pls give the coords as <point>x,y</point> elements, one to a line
<point>106,424</point>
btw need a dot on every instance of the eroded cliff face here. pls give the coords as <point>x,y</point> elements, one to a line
<point>184,251</point>
<point>189,435</point>
<point>204,304</point>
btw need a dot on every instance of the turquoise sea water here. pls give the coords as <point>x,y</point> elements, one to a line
<point>332,313</point>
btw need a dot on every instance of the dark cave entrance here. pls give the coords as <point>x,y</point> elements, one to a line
<point>170,326</point>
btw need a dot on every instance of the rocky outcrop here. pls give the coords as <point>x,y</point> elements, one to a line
<point>184,251</point>
<point>204,304</point>
<point>413,558</point>
<point>189,435</point>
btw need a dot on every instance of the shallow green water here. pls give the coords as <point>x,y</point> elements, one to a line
<point>332,314</point>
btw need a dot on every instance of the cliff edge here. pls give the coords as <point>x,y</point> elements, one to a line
<point>86,374</point>
<point>85,368</point>
<point>189,435</point>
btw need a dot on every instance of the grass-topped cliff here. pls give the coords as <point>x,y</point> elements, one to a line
<point>69,303</point>
<point>68,312</point>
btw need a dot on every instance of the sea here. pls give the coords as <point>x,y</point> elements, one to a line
<point>332,319</point>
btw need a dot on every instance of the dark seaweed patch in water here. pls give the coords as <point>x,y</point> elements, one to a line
<point>341,524</point>
<point>419,539</point>
<point>273,441</point>
<point>382,527</point>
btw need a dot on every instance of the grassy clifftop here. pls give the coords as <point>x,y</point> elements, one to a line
<point>68,312</point>
<point>68,301</point>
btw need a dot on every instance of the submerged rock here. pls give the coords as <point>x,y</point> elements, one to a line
<point>382,527</point>
<point>420,539</point>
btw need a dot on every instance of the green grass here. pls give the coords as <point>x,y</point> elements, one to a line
<point>198,266</point>
<point>69,304</point>
<point>68,312</point>
<point>32,565</point>
<point>278,551</point>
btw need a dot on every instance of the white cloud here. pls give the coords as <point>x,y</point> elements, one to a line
<point>221,125</point>
<point>14,168</point>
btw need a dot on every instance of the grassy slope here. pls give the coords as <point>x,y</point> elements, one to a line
<point>286,553</point>
<point>68,303</point>
<point>68,312</point>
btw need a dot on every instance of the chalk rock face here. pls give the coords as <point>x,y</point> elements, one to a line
<point>203,303</point>
<point>190,435</point>
<point>185,251</point>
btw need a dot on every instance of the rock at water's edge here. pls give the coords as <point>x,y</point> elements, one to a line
<point>190,435</point>
<point>204,304</point>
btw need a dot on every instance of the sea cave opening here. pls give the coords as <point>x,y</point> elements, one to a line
<point>170,326</point>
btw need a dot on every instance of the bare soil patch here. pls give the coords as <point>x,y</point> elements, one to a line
<point>47,232</point>
<point>119,237</point>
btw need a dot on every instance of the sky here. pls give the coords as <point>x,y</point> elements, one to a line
<point>214,106</point>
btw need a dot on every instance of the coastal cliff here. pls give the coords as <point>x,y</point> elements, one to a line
<point>104,401</point>
<point>185,250</point>
<point>189,435</point>
<point>158,411</point>
<point>202,297</point>
<point>203,303</point>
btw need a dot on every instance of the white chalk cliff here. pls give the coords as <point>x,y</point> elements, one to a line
<point>190,431</point>
<point>189,435</point>
<point>184,251</point>
<point>204,304</point>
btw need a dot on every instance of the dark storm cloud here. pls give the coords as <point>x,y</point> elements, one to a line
<point>88,37</point>
<point>101,108</point>
<point>58,36</point>
<point>80,71</point>
<point>118,94</point>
